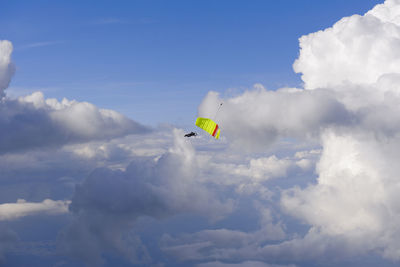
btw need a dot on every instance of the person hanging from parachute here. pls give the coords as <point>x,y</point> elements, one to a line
<point>191,134</point>
<point>208,125</point>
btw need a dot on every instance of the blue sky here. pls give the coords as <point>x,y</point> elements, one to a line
<point>96,97</point>
<point>155,60</point>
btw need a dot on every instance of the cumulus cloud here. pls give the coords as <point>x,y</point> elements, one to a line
<point>353,202</point>
<point>33,121</point>
<point>353,68</point>
<point>352,112</point>
<point>356,195</point>
<point>12,211</point>
<point>357,49</point>
<point>7,67</point>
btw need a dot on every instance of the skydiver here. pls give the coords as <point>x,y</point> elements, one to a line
<point>190,134</point>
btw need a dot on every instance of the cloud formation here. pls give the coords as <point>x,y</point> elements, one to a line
<point>354,197</point>
<point>32,124</point>
<point>108,203</point>
<point>356,49</point>
<point>346,119</point>
<point>234,246</point>
<point>350,107</point>
<point>258,117</point>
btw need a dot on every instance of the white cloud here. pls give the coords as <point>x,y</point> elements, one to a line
<point>13,211</point>
<point>263,168</point>
<point>357,49</point>
<point>7,67</point>
<point>257,169</point>
<point>356,195</point>
<point>387,12</point>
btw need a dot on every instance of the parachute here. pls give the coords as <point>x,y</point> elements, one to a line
<point>209,126</point>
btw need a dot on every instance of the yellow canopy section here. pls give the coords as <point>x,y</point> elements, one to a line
<point>209,126</point>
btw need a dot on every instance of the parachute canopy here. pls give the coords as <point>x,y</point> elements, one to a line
<point>209,126</point>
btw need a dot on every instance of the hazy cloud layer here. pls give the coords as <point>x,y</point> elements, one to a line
<point>243,264</point>
<point>12,211</point>
<point>8,239</point>
<point>108,203</point>
<point>224,244</point>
